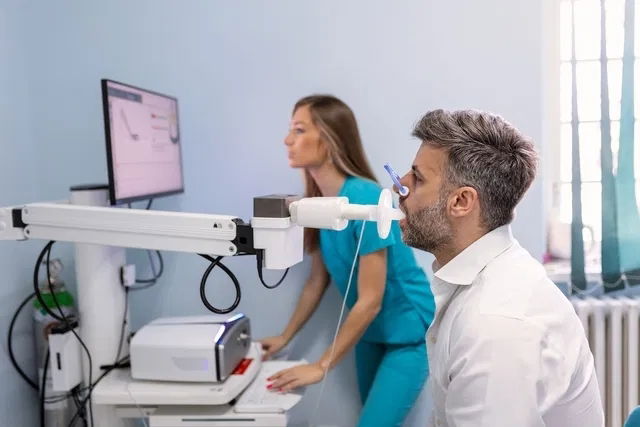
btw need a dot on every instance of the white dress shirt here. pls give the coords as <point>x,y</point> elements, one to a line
<point>506,347</point>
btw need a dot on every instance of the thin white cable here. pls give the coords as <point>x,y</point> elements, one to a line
<point>153,266</point>
<point>143,415</point>
<point>335,335</point>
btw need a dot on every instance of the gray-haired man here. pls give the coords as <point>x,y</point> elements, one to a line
<point>505,347</point>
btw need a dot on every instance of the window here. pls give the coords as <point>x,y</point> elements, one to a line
<point>588,64</point>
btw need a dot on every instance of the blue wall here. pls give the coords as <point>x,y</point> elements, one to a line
<point>237,68</point>
<point>18,183</point>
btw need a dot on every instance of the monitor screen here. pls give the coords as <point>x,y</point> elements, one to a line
<point>143,143</point>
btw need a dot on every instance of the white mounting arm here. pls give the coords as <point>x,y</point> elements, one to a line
<point>131,228</point>
<point>173,231</point>
<point>272,229</point>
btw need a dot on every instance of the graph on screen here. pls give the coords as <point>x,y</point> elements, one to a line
<point>143,142</point>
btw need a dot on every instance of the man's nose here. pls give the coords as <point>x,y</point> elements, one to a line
<point>404,181</point>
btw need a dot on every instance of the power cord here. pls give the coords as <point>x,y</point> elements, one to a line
<point>153,280</point>
<point>124,323</point>
<point>14,362</point>
<point>78,404</point>
<point>70,327</point>
<point>156,276</point>
<point>42,388</point>
<point>118,363</point>
<point>259,260</point>
<point>149,203</point>
<point>61,317</point>
<point>215,262</point>
<point>123,363</point>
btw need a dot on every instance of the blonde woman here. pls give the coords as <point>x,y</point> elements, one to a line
<point>390,302</point>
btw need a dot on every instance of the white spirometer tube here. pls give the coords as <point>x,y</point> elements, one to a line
<point>334,213</point>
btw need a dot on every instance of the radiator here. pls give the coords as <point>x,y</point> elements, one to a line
<point>612,328</point>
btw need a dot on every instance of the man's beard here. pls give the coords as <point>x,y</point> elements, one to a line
<point>428,229</point>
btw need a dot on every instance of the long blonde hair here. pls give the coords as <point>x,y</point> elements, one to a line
<point>339,130</point>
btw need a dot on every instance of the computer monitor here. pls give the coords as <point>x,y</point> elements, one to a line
<point>143,143</point>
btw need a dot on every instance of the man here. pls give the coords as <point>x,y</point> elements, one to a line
<point>505,347</point>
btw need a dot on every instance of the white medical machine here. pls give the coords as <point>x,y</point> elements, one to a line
<point>184,371</point>
<point>192,349</point>
<point>101,235</point>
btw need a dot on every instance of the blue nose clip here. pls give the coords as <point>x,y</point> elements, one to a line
<point>403,190</point>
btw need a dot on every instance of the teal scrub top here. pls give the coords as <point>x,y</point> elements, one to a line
<point>408,306</point>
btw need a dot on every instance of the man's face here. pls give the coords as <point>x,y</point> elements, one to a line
<point>426,225</point>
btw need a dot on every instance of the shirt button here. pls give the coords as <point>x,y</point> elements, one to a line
<point>432,339</point>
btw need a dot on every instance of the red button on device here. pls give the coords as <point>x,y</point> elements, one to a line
<point>242,367</point>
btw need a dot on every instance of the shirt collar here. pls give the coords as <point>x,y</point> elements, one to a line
<point>465,267</point>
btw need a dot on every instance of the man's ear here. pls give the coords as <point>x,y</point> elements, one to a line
<point>463,201</point>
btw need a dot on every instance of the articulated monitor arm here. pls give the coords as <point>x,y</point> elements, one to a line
<point>275,228</point>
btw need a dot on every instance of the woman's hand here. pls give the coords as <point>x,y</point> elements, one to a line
<point>272,345</point>
<point>295,377</point>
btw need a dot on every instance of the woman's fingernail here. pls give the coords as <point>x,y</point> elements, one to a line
<point>269,386</point>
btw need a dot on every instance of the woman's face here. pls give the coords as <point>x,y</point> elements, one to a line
<point>304,145</point>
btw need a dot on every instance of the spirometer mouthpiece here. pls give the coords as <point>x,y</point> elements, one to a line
<point>334,213</point>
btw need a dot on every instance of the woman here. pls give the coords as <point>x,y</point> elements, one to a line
<point>390,301</point>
